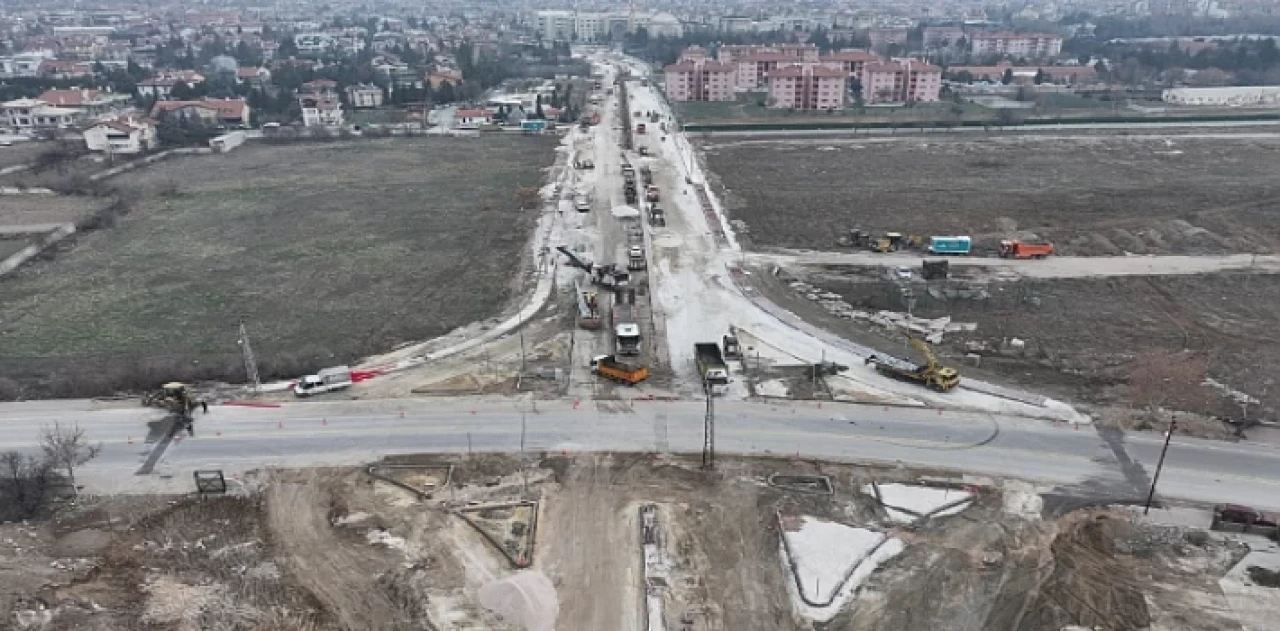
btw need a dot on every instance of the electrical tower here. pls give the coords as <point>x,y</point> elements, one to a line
<point>709,430</point>
<point>250,360</point>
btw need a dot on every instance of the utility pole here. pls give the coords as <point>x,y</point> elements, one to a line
<point>524,477</point>
<point>1173,423</point>
<point>250,360</point>
<point>709,430</point>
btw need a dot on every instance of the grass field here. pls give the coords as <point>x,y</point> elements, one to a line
<point>1091,195</point>
<point>329,251</point>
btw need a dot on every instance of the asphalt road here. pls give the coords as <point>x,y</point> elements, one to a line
<point>237,439</point>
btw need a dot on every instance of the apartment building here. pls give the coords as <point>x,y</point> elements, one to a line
<point>901,80</point>
<point>1015,45</point>
<point>700,81</point>
<point>881,38</point>
<point>941,36</point>
<point>752,70</point>
<point>807,87</point>
<point>803,52</point>
<point>851,60</point>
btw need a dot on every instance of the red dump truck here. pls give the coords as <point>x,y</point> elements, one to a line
<point>1018,250</point>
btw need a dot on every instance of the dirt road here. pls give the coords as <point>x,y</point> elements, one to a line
<point>338,576</point>
<point>597,580</point>
<point>1053,267</point>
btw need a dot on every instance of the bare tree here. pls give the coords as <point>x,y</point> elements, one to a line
<point>24,480</point>
<point>66,448</point>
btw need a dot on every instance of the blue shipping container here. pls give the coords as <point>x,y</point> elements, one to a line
<point>533,125</point>
<point>949,245</point>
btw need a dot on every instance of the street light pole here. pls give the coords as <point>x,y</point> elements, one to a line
<point>1173,423</point>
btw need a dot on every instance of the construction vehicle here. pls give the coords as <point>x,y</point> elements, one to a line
<point>604,275</point>
<point>609,367</point>
<point>651,193</point>
<point>950,245</point>
<point>629,191</point>
<point>858,238</point>
<point>933,270</point>
<point>588,307</point>
<point>640,128</point>
<point>732,349</point>
<point>176,398</point>
<point>327,380</point>
<point>931,374</point>
<point>1014,249</point>
<point>626,332</point>
<point>582,204</point>
<point>656,217</point>
<point>883,244</point>
<point>635,258</point>
<point>711,367</point>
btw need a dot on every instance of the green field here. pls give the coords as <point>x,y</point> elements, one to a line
<point>329,251</point>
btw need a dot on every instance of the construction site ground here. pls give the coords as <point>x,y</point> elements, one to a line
<point>329,251</point>
<point>1173,193</point>
<point>339,549</point>
<point>1077,339</point>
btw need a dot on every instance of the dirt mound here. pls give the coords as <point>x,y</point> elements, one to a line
<point>527,599</point>
<point>82,543</point>
<point>1086,582</point>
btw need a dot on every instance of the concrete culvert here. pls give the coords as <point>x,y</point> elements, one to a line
<point>527,599</point>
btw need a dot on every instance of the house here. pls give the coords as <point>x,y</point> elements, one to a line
<point>125,135</point>
<point>219,112</point>
<point>90,103</point>
<point>160,87</point>
<point>320,111</point>
<point>325,88</point>
<point>26,115</point>
<point>437,78</point>
<point>472,118</point>
<point>61,69</point>
<point>363,96</point>
<point>256,77</point>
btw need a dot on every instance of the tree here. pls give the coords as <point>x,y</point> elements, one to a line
<point>1008,76</point>
<point>537,108</point>
<point>1041,76</point>
<point>65,447</point>
<point>24,481</point>
<point>445,93</point>
<point>1006,117</point>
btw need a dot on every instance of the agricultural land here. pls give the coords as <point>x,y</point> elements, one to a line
<point>327,251</point>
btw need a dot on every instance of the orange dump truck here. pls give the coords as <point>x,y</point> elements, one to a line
<point>609,367</point>
<point>1019,250</point>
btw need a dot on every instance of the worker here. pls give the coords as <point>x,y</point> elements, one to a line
<point>204,406</point>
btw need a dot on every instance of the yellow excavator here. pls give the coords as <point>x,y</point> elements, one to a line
<point>175,397</point>
<point>932,374</point>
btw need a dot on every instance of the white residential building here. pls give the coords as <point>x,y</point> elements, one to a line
<point>364,96</point>
<point>125,135</point>
<point>321,111</point>
<point>27,115</point>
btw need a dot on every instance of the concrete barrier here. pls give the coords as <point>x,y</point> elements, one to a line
<point>25,254</point>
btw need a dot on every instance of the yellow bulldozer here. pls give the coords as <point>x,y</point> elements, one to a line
<point>175,397</point>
